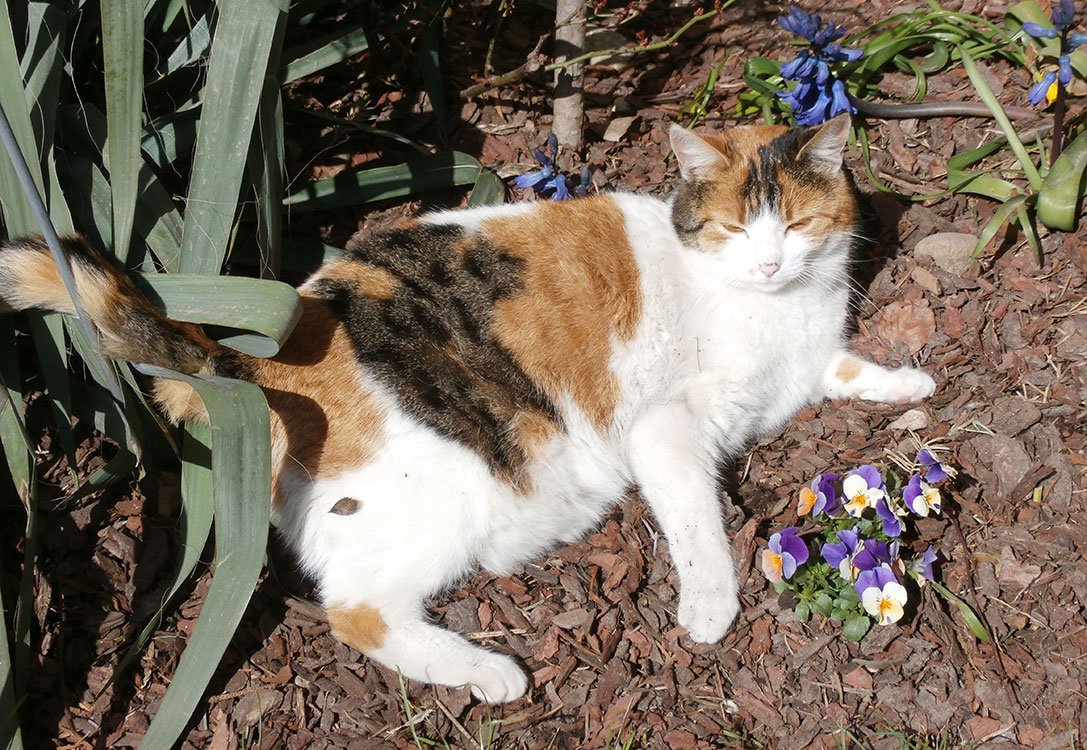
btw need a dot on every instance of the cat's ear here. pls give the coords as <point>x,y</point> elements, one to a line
<point>824,149</point>
<point>696,156</point>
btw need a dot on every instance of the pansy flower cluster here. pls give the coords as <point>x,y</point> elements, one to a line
<point>855,567</point>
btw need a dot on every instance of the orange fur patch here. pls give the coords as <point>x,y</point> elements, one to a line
<point>848,369</point>
<point>179,401</point>
<point>324,421</point>
<point>360,627</point>
<point>371,281</point>
<point>580,288</point>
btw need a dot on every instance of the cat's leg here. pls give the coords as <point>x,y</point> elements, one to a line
<point>677,478</point>
<point>849,376</point>
<point>382,539</point>
<point>398,636</point>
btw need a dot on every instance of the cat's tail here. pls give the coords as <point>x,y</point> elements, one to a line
<point>130,326</point>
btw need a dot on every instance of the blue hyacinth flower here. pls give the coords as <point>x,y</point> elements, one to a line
<point>547,179</point>
<point>817,95</point>
<point>1063,14</point>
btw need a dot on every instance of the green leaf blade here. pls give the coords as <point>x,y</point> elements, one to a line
<point>241,465</point>
<point>431,172</point>
<point>240,53</point>
<point>122,46</point>
<point>1062,191</point>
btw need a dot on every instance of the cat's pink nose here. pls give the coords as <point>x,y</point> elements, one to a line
<point>769,269</point>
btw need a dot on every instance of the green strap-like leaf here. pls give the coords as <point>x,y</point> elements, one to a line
<point>488,190</point>
<point>18,216</point>
<point>329,51</point>
<point>267,157</point>
<point>431,172</point>
<point>241,467</point>
<point>968,615</point>
<point>239,61</point>
<point>268,308</point>
<point>999,219</point>
<point>1062,191</point>
<point>11,737</point>
<point>47,26</point>
<point>122,52</point>
<point>986,94</point>
<point>430,69</point>
<point>189,49</point>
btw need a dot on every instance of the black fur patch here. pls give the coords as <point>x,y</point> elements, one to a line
<point>781,156</point>
<point>687,208</point>
<point>431,342</point>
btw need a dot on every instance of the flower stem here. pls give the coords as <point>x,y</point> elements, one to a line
<point>1058,125</point>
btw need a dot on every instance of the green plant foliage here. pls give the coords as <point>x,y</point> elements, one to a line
<point>1062,190</point>
<point>157,130</point>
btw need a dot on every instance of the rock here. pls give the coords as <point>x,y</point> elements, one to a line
<point>951,251</point>
<point>914,419</point>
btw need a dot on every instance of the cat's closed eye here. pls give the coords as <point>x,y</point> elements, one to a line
<point>731,227</point>
<point>801,224</point>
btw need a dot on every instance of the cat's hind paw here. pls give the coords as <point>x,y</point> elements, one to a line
<point>707,618</point>
<point>498,679</point>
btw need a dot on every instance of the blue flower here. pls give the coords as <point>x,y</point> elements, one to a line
<point>547,178</point>
<point>818,95</point>
<point>1064,13</point>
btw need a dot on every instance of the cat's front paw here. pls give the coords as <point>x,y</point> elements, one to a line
<point>498,679</point>
<point>708,617</point>
<point>904,385</point>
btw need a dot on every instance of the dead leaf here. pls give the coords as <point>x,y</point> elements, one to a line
<point>906,324</point>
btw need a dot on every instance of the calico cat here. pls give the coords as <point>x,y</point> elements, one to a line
<point>475,387</point>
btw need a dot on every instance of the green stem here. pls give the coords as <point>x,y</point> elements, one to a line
<point>1059,109</point>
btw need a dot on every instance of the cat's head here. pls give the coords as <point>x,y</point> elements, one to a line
<point>769,203</point>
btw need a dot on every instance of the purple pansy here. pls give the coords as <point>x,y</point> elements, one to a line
<point>881,594</point>
<point>920,497</point>
<point>875,553</point>
<point>935,470</point>
<point>840,555</point>
<point>921,568</point>
<point>863,488</point>
<point>786,553</point>
<point>888,510</point>
<point>821,497</point>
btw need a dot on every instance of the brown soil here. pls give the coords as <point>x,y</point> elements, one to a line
<point>594,623</point>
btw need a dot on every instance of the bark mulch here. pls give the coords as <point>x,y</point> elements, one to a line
<point>594,622</point>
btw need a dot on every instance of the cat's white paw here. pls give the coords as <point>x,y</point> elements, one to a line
<point>708,617</point>
<point>498,679</point>
<point>905,384</point>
